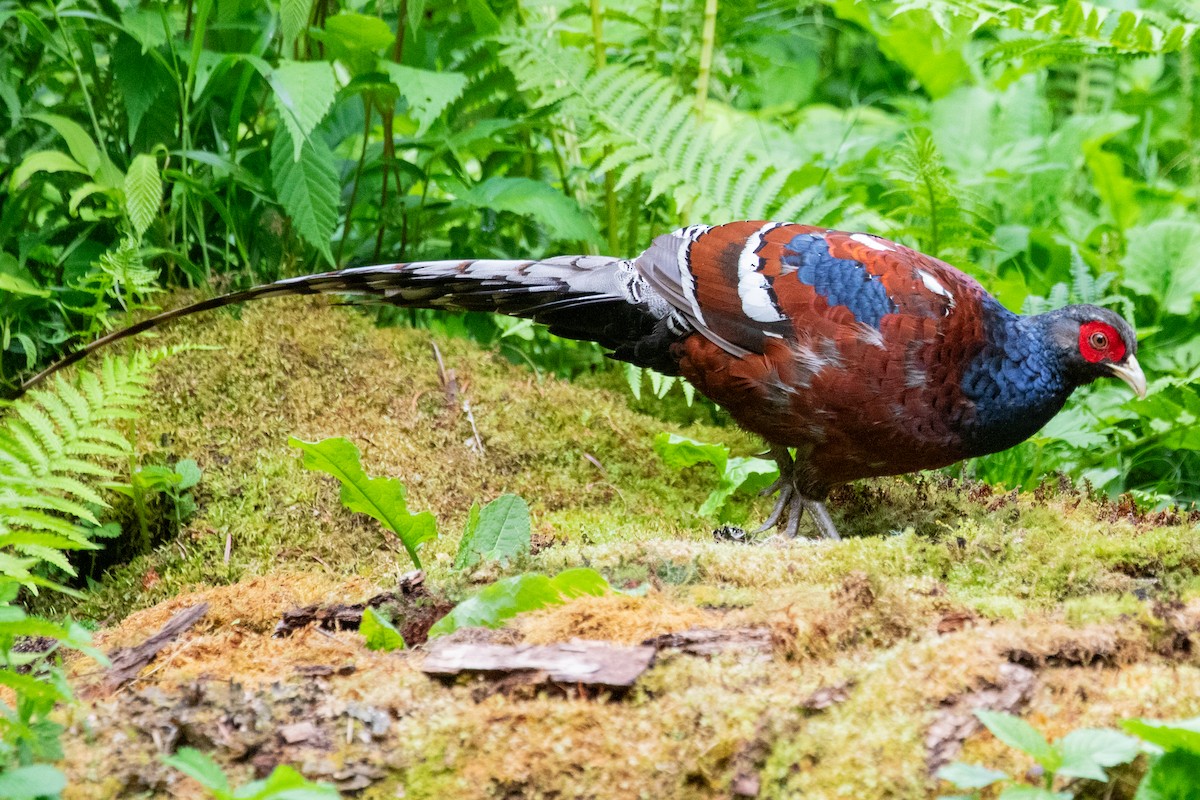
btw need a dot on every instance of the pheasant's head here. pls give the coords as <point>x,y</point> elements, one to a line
<point>1094,343</point>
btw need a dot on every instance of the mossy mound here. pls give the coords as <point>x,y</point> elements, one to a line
<point>944,590</point>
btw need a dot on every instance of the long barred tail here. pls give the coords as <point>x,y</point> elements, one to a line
<point>598,298</point>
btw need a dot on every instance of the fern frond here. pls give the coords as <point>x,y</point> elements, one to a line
<point>56,445</point>
<point>641,127</point>
<point>1087,29</point>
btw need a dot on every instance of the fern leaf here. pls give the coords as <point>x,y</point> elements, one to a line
<point>56,446</point>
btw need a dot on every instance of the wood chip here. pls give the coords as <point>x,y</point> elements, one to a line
<point>957,720</point>
<point>129,661</point>
<point>299,732</point>
<point>710,641</point>
<point>590,664</point>
<point>827,696</point>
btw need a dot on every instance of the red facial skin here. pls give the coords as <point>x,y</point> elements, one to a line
<point>1099,341</point>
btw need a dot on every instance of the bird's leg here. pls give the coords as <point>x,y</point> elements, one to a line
<point>789,498</point>
<point>821,517</point>
<point>792,501</point>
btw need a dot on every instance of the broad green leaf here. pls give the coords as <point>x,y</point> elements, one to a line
<point>349,31</point>
<point>970,776</point>
<point>143,192</point>
<point>35,780</point>
<point>1171,777</point>
<point>15,279</point>
<point>83,149</point>
<point>1117,192</point>
<point>745,474</point>
<point>1087,751</point>
<point>43,161</point>
<point>1019,734</point>
<point>1162,261</point>
<point>559,213</point>
<point>285,783</point>
<point>293,19</point>
<point>379,633</point>
<point>494,605</point>
<point>498,533</point>
<point>1184,735</point>
<point>308,189</point>
<point>200,767</point>
<point>304,92</point>
<point>427,92</point>
<point>380,498</point>
<point>466,555</point>
<point>580,581</point>
<point>679,452</point>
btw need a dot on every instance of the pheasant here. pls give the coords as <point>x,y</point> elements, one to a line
<point>860,355</point>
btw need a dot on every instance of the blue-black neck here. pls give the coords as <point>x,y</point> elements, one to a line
<point>1017,381</point>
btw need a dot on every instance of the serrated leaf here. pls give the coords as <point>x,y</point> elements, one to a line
<point>293,19</point>
<point>1162,261</point>
<point>427,92</point>
<point>143,192</point>
<point>304,92</point>
<point>382,499</point>
<point>1017,733</point>
<point>498,533</point>
<point>970,776</point>
<point>379,633</point>
<point>494,605</point>
<point>307,189</point>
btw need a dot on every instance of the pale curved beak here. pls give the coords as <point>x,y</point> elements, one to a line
<point>1131,372</point>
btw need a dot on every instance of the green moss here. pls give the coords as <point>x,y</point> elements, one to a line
<point>865,612</point>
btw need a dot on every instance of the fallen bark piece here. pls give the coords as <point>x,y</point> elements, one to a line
<point>590,664</point>
<point>827,696</point>
<point>957,721</point>
<point>129,661</point>
<point>710,641</point>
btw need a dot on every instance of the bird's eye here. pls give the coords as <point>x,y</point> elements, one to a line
<point>1099,341</point>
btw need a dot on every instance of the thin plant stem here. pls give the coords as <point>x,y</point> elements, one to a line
<point>707,37</point>
<point>358,171</point>
<point>612,222</point>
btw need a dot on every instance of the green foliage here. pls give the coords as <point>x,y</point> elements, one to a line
<point>1082,753</point>
<point>56,446</point>
<point>1039,146</point>
<point>284,782</point>
<point>500,532</point>
<point>1175,758</point>
<point>499,602</point>
<point>736,473</point>
<point>379,498</point>
<point>379,633</point>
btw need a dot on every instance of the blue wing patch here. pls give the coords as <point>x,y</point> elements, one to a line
<point>841,281</point>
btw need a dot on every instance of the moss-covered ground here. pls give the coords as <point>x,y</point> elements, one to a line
<point>938,590</point>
